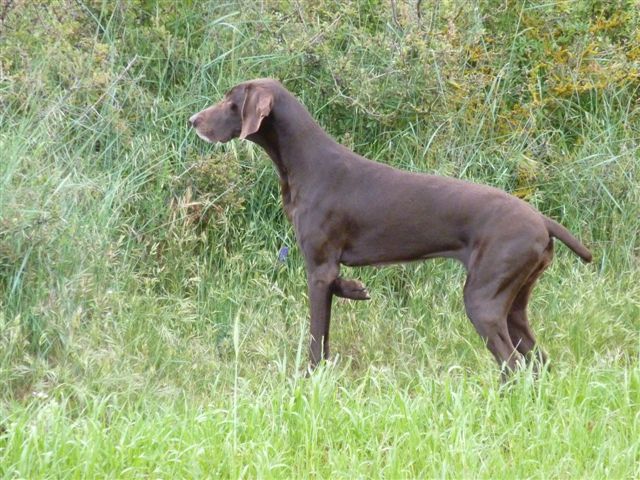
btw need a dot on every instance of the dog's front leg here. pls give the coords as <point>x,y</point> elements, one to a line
<point>320,280</point>
<point>351,289</point>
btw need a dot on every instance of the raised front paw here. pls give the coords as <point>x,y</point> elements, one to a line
<point>352,289</point>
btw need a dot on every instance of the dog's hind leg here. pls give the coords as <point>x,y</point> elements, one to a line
<point>490,321</point>
<point>517,322</point>
<point>496,276</point>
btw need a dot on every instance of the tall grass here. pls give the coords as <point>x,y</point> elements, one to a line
<point>386,423</point>
<point>146,326</point>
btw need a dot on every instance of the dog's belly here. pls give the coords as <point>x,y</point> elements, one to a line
<point>389,249</point>
<point>361,261</point>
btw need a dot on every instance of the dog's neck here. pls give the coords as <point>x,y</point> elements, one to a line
<point>301,137</point>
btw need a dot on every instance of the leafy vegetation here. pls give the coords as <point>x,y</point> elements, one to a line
<point>146,325</point>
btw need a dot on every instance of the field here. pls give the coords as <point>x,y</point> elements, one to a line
<point>147,327</point>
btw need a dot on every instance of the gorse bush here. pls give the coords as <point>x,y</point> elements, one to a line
<point>139,265</point>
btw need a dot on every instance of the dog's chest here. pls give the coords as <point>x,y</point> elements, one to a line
<point>287,201</point>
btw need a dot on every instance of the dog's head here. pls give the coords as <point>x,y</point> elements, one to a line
<point>238,114</point>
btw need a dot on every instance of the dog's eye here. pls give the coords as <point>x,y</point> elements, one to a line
<point>234,107</point>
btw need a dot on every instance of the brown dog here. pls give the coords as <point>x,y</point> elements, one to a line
<point>348,210</point>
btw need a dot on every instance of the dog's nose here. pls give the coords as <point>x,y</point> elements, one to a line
<point>192,122</point>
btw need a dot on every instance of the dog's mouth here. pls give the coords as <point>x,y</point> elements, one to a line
<point>203,136</point>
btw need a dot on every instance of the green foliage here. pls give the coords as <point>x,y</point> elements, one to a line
<point>142,307</point>
<point>333,426</point>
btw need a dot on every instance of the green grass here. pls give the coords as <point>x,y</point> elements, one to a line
<point>388,422</point>
<point>147,329</point>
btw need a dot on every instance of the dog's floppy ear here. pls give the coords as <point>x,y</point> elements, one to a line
<point>257,105</point>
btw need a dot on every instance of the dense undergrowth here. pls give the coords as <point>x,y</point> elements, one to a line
<point>146,325</point>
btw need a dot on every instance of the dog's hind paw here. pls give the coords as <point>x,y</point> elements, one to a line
<point>352,289</point>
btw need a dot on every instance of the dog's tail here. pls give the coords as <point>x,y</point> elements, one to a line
<point>558,231</point>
